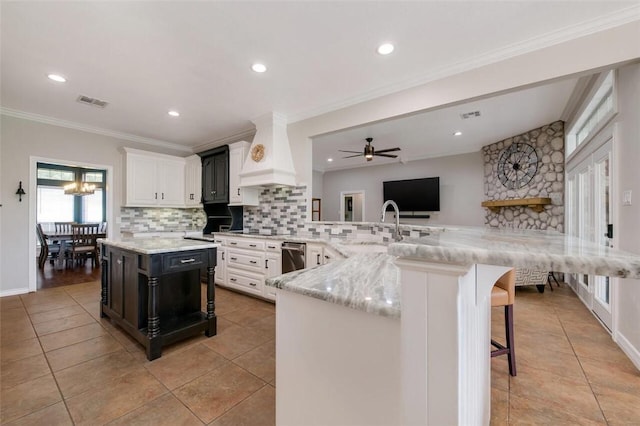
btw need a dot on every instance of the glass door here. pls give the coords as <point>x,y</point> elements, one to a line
<point>603,228</point>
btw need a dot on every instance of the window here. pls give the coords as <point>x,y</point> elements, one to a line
<point>53,205</point>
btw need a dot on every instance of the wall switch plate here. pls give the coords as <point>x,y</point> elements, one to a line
<point>626,197</point>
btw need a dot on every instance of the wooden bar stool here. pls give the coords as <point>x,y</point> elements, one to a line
<point>503,293</point>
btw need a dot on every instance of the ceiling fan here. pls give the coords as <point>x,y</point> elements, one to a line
<point>369,151</point>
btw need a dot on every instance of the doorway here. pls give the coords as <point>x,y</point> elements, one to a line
<point>352,206</point>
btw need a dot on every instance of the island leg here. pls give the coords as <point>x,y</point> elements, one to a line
<point>104,293</point>
<point>154,347</point>
<point>212,326</point>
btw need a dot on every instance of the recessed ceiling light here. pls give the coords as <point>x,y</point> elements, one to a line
<point>329,159</point>
<point>57,77</point>
<point>174,113</point>
<point>258,67</point>
<point>385,49</point>
<point>458,133</point>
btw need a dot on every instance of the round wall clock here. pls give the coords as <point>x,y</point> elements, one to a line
<point>517,165</point>
<point>257,152</point>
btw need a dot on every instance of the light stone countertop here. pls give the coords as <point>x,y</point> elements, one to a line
<point>158,245</point>
<point>369,281</point>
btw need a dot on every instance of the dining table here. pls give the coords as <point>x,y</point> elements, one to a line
<point>64,237</point>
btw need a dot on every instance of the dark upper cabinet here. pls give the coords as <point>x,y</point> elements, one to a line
<point>215,175</point>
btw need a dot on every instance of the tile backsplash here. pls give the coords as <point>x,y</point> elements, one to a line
<point>281,211</point>
<point>142,219</point>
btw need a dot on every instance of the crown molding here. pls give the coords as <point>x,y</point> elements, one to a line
<point>245,135</point>
<point>91,129</point>
<point>601,23</point>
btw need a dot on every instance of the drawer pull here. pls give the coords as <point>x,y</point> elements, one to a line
<point>253,284</point>
<point>188,260</point>
<point>253,262</point>
<point>266,264</point>
<point>233,258</point>
<point>233,243</point>
<point>233,279</point>
<point>271,247</point>
<point>222,255</point>
<point>252,245</point>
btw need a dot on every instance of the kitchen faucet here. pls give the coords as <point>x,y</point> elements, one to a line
<point>396,235</point>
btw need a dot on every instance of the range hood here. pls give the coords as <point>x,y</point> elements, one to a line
<point>275,165</point>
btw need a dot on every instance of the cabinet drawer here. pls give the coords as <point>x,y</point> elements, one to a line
<point>246,244</point>
<point>245,259</point>
<point>273,246</point>
<point>184,261</point>
<point>247,281</point>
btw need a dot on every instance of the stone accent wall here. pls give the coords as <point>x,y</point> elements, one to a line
<point>142,219</point>
<point>548,182</point>
<point>281,210</point>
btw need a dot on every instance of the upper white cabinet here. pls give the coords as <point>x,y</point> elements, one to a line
<point>153,180</point>
<point>193,181</point>
<point>240,196</point>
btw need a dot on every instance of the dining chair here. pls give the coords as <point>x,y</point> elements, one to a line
<point>63,227</point>
<point>503,293</point>
<point>83,243</point>
<point>46,250</point>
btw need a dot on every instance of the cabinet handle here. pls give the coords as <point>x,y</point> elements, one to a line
<point>233,243</point>
<point>156,196</point>
<point>222,255</point>
<point>187,260</point>
<point>191,196</point>
<point>252,245</point>
<point>233,258</point>
<point>266,264</point>
<point>163,195</point>
<point>233,279</point>
<point>253,262</point>
<point>318,258</point>
<point>238,191</point>
<point>271,247</point>
<point>252,284</point>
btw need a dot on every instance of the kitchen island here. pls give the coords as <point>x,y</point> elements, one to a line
<point>432,365</point>
<point>151,288</point>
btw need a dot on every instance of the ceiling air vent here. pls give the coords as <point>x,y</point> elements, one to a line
<point>92,101</point>
<point>470,115</point>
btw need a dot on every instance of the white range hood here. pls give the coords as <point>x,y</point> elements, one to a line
<point>276,165</point>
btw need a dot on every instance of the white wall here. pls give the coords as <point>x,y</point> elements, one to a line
<point>461,188</point>
<point>20,140</point>
<point>628,178</point>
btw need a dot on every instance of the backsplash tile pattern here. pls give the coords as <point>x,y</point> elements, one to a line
<point>281,210</point>
<point>142,219</point>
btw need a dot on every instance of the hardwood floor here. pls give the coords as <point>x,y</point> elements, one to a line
<point>49,277</point>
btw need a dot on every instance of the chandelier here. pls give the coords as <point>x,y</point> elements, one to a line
<point>79,189</point>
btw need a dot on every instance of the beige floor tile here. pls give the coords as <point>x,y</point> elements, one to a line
<point>123,395</point>
<point>559,363</point>
<point>73,335</point>
<point>176,369</point>
<point>620,408</point>
<point>211,395</point>
<point>248,317</point>
<point>61,324</point>
<point>260,361</point>
<point>527,411</point>
<point>166,410</point>
<point>23,370</point>
<point>87,296</point>
<point>28,397</point>
<point>55,414</point>
<point>257,410</point>
<point>500,373</point>
<point>96,373</point>
<point>18,313</point>
<point>16,331</point>
<point>56,314</point>
<point>49,305</point>
<point>559,393</point>
<point>81,352</point>
<point>499,407</point>
<point>13,351</point>
<point>10,302</point>
<point>235,341</point>
<point>620,376</point>
<point>608,352</point>
<point>535,342</point>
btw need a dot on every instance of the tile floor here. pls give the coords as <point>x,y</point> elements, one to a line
<point>61,364</point>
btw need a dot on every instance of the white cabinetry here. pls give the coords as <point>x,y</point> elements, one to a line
<point>153,180</point>
<point>315,255</point>
<point>193,181</point>
<point>240,196</point>
<point>220,276</point>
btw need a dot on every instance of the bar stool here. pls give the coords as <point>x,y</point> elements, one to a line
<point>503,293</point>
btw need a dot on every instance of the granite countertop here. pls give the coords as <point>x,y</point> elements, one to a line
<point>531,249</point>
<point>158,245</point>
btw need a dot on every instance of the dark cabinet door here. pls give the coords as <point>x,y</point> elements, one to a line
<point>134,293</point>
<point>215,177</point>
<point>116,282</point>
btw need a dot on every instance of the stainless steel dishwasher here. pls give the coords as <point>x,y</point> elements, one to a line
<point>293,256</point>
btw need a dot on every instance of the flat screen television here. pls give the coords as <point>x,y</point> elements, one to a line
<point>414,195</point>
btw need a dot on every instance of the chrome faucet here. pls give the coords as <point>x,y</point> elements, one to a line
<point>396,235</point>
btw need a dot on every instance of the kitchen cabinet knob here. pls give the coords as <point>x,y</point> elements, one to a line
<point>156,196</point>
<point>266,264</point>
<point>318,258</point>
<point>238,191</point>
<point>163,195</point>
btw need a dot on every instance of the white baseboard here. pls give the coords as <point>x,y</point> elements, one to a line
<point>631,351</point>
<point>14,291</point>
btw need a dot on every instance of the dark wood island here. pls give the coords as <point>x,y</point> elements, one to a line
<point>151,288</point>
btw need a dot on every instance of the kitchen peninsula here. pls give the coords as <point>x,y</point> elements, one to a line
<point>430,367</point>
<point>151,288</point>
